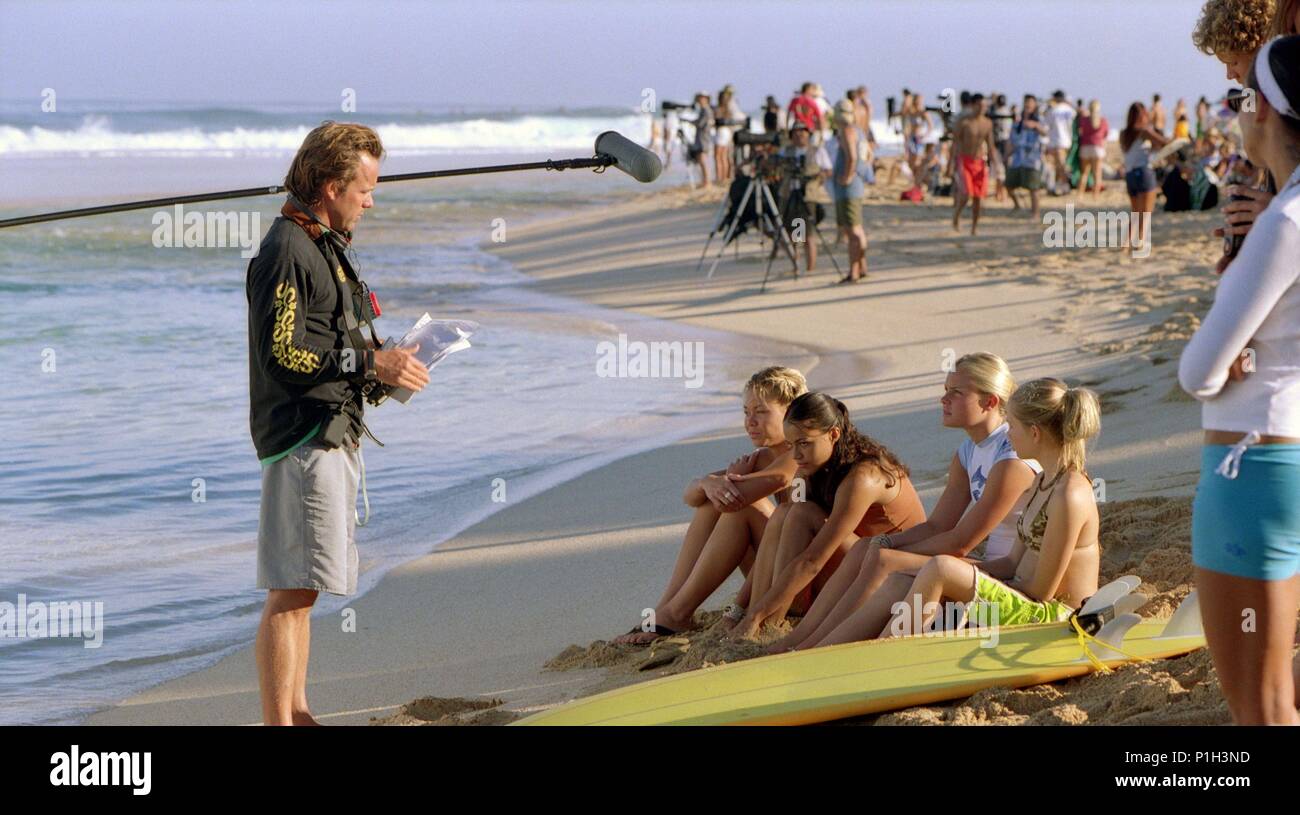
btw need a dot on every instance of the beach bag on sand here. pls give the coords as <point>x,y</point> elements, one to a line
<point>916,195</point>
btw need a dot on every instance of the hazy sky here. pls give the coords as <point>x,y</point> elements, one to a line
<point>594,53</point>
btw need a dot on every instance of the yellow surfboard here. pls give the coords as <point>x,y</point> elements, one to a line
<point>854,679</point>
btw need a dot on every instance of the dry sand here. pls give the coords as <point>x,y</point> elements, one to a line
<point>477,620</point>
<point>1148,537</point>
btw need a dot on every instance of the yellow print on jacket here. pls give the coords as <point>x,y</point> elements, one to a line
<point>282,347</point>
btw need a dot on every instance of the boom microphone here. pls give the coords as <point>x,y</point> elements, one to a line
<point>611,149</point>
<point>629,156</point>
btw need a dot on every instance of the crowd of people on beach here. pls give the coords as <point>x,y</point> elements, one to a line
<point>824,522</point>
<point>961,146</point>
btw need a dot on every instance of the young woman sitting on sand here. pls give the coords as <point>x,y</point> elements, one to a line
<point>986,491</point>
<point>731,510</point>
<point>852,487</point>
<point>1055,561</point>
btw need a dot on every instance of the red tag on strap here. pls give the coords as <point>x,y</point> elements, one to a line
<point>374,305</point>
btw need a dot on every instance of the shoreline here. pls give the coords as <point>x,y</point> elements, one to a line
<point>640,256</point>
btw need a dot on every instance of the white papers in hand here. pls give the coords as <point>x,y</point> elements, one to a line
<point>438,339</point>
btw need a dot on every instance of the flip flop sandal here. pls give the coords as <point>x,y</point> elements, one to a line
<point>658,631</point>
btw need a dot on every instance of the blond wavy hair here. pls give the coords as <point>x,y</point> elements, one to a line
<point>989,374</point>
<point>1071,416</point>
<point>777,384</point>
<point>330,153</point>
<point>1240,26</point>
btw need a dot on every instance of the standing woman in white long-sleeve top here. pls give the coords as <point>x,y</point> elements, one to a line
<point>1244,365</point>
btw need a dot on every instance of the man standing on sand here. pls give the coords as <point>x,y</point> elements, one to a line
<point>1024,168</point>
<point>808,190</point>
<point>849,190</point>
<point>972,146</point>
<point>1158,115</point>
<point>804,108</point>
<point>307,364</point>
<point>1060,137</point>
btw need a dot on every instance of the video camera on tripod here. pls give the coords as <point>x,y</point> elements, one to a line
<point>892,112</point>
<point>945,116</point>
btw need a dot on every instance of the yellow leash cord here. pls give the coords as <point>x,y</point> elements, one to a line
<point>1084,636</point>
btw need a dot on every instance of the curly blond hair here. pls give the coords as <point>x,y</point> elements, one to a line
<point>1227,26</point>
<point>777,384</point>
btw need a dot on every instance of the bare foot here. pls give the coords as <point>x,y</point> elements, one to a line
<point>779,647</point>
<point>636,638</point>
<point>303,718</point>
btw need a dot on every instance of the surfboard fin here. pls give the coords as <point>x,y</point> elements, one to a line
<point>1108,594</point>
<point>1112,634</point>
<point>1110,601</point>
<point>1186,621</point>
<point>1130,602</point>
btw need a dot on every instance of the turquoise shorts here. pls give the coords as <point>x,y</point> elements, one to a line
<point>1249,526</point>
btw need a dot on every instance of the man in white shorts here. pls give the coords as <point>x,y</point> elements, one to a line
<point>1060,137</point>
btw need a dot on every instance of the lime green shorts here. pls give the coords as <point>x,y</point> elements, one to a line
<point>1015,608</point>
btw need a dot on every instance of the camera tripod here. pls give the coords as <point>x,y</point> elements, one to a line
<point>766,215</point>
<point>789,211</point>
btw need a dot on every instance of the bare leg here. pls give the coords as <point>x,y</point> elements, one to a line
<point>857,253</point>
<point>733,537</point>
<point>277,652</point>
<point>742,596</point>
<point>806,519</point>
<point>878,566</point>
<point>1033,202</point>
<point>944,576</point>
<point>827,598</point>
<point>1254,666</point>
<point>958,204</point>
<point>1147,203</point>
<point>301,710</point>
<point>862,250</point>
<point>765,560</point>
<point>1295,680</point>
<point>976,204</point>
<point>697,534</point>
<point>866,622</point>
<point>1062,173</point>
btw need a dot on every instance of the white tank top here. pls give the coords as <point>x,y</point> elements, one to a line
<point>978,461</point>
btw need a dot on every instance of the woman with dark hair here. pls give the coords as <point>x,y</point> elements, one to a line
<point>1246,517</point>
<point>1137,140</point>
<point>986,491</point>
<point>847,486</point>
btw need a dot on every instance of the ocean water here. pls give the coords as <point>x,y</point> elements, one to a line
<point>126,399</point>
